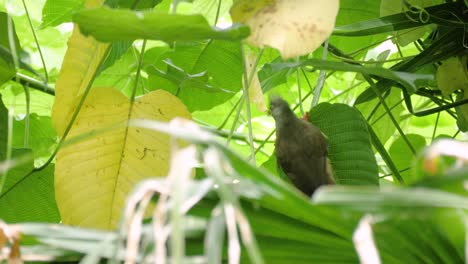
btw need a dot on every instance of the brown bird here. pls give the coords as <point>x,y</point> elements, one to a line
<point>301,149</point>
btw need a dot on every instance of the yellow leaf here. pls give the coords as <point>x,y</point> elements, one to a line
<point>94,176</point>
<point>452,75</point>
<point>294,27</point>
<point>255,89</point>
<point>242,10</point>
<point>82,59</point>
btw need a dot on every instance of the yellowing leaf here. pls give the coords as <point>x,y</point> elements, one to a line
<point>294,27</point>
<point>255,89</point>
<point>82,59</point>
<point>94,176</point>
<point>452,75</point>
<point>242,10</point>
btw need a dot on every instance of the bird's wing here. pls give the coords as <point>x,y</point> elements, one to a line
<point>315,144</point>
<point>282,158</point>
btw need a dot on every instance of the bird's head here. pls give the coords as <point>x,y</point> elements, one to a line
<point>280,110</point>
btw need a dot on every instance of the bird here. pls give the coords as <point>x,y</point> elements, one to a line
<point>301,149</point>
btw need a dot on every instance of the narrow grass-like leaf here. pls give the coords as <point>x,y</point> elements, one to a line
<point>373,199</point>
<point>385,156</point>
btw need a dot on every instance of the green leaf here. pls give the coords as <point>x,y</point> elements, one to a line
<point>130,4</point>
<point>42,135</point>
<point>211,10</point>
<point>378,117</point>
<point>116,52</point>
<point>56,12</point>
<point>350,151</point>
<point>417,240</point>
<point>352,11</point>
<point>271,77</point>
<point>119,72</point>
<point>184,80</point>
<point>107,24</point>
<point>7,67</point>
<point>403,157</point>
<point>28,196</point>
<point>219,61</point>
<point>13,97</point>
<point>5,37</point>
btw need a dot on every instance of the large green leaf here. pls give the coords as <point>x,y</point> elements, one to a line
<point>13,98</point>
<point>350,151</point>
<point>352,11</point>
<point>28,196</point>
<point>107,24</point>
<point>202,75</point>
<point>41,134</point>
<point>271,77</point>
<point>120,71</point>
<point>56,12</point>
<point>419,239</point>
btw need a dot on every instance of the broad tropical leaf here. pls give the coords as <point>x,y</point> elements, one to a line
<point>82,60</point>
<point>350,151</point>
<point>94,175</point>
